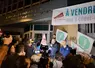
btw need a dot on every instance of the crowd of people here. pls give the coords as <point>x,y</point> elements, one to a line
<point>15,53</point>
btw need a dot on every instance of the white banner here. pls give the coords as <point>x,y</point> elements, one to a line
<point>85,42</point>
<point>77,14</point>
<point>60,35</point>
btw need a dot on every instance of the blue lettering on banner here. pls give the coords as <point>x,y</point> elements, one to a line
<point>67,12</point>
<point>85,10</point>
<point>76,12</point>
<point>80,11</point>
<point>89,9</point>
<point>93,9</point>
<point>72,12</point>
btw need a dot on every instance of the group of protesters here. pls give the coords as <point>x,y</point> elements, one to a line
<point>31,54</point>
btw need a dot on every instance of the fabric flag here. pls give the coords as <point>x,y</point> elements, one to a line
<point>60,35</point>
<point>85,42</point>
<point>43,41</point>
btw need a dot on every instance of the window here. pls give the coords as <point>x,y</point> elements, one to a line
<point>91,28</point>
<point>4,10</point>
<point>94,28</point>
<point>14,6</point>
<point>5,3</point>
<point>14,1</point>
<point>20,4</point>
<point>27,2</point>
<point>88,28</point>
<point>40,27</point>
<point>9,8</point>
<point>51,27</point>
<point>0,11</point>
<point>34,1</point>
<point>27,28</point>
<point>9,2</point>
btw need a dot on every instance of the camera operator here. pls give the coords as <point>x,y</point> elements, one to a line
<point>44,60</point>
<point>4,47</point>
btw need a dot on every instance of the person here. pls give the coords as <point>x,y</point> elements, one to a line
<point>58,47</point>
<point>57,62</point>
<point>64,49</point>
<point>17,60</point>
<point>4,48</point>
<point>93,50</point>
<point>54,36</point>
<point>30,49</point>
<point>73,62</point>
<point>54,47</point>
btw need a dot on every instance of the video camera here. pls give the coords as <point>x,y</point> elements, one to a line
<point>45,50</point>
<point>45,56</point>
<point>4,34</point>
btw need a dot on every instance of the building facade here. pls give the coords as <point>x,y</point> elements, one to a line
<point>32,18</point>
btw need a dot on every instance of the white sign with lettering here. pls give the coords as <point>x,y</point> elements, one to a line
<point>77,14</point>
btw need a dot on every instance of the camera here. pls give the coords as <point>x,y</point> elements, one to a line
<point>44,47</point>
<point>45,56</point>
<point>45,50</point>
<point>4,35</point>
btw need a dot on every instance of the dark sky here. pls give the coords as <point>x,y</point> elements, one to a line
<point>74,2</point>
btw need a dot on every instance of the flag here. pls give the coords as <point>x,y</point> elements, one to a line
<point>43,41</point>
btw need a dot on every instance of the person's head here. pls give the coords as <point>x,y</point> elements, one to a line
<point>73,62</point>
<point>59,57</point>
<point>20,49</point>
<point>30,42</point>
<point>54,36</point>
<point>63,43</point>
<point>12,50</point>
<point>53,41</point>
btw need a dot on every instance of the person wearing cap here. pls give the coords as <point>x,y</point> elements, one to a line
<point>64,49</point>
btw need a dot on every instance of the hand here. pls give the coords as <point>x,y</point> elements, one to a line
<point>8,40</point>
